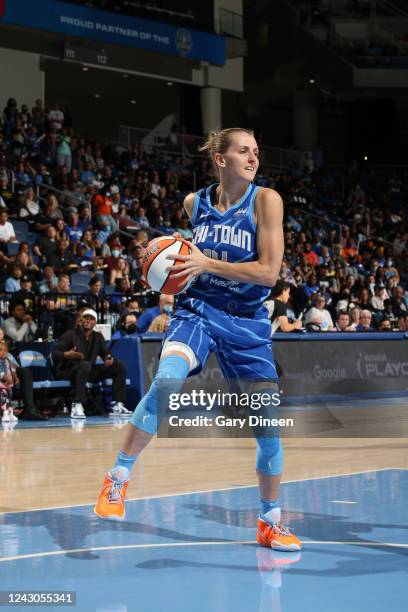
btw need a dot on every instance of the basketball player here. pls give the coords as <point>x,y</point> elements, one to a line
<point>236,257</point>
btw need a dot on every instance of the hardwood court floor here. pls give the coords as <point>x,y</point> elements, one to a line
<point>59,466</point>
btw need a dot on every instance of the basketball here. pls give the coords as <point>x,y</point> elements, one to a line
<point>156,266</point>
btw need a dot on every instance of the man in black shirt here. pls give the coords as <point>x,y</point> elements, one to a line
<point>46,245</point>
<point>278,310</point>
<point>75,358</point>
<point>62,260</point>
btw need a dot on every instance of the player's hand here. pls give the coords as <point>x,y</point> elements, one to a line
<point>192,265</point>
<point>8,379</point>
<point>28,318</point>
<point>74,354</point>
<point>298,324</point>
<point>108,361</point>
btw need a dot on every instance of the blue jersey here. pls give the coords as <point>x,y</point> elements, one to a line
<point>230,237</point>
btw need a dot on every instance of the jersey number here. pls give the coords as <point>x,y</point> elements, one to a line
<point>214,255</point>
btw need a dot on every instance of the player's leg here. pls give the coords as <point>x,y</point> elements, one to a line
<point>185,350</point>
<point>254,367</point>
<point>173,368</point>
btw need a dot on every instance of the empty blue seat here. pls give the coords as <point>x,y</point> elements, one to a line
<point>12,248</point>
<point>20,226</point>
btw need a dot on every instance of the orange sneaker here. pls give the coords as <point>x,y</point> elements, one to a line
<point>111,501</point>
<point>276,536</point>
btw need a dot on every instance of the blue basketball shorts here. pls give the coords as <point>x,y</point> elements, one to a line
<point>242,345</point>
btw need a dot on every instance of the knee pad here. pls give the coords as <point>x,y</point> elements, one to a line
<point>269,456</point>
<point>170,376</point>
<point>175,345</point>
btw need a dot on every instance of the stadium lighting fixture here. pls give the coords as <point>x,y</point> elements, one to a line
<point>169,83</point>
<point>85,68</point>
<point>312,81</point>
<point>133,101</point>
<point>97,95</point>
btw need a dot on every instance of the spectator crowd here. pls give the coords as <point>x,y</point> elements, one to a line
<point>76,216</point>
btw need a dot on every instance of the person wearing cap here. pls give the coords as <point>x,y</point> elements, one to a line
<point>75,358</point>
<point>26,293</point>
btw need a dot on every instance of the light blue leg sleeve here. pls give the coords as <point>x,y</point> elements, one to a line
<point>269,450</point>
<point>269,456</point>
<point>170,376</point>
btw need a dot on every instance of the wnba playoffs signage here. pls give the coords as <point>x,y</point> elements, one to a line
<point>371,363</point>
<point>108,27</point>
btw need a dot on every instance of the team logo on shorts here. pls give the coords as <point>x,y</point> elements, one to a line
<point>184,42</point>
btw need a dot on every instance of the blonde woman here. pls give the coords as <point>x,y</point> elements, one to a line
<point>236,259</point>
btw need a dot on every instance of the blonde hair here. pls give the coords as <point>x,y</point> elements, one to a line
<point>218,142</point>
<point>159,324</point>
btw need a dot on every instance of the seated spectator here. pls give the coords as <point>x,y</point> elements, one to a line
<point>390,271</point>
<point>364,298</point>
<point>118,296</point>
<point>166,306</point>
<point>49,284</point>
<point>13,282</point>
<point>104,232</point>
<point>364,324</point>
<point>73,229</point>
<point>87,175</point>
<point>85,221</point>
<point>62,260</point>
<point>120,269</point>
<point>127,327</point>
<point>6,193</point>
<point>141,218</point>
<point>60,227</point>
<point>75,358</point>
<point>26,294</point>
<point>319,315</point>
<point>19,326</point>
<point>355,314</point>
<point>377,301</point>
<point>278,309</point>
<point>164,226</point>
<point>343,322</point>
<point>8,378</point>
<point>44,219</point>
<point>184,229</point>
<point>89,244</point>
<point>46,245</point>
<point>25,260</point>
<point>132,307</point>
<point>403,322</point>
<point>29,207</point>
<point>385,325</point>
<point>95,297</point>
<point>310,256</point>
<point>159,325</point>
<point>311,287</point>
<point>7,233</point>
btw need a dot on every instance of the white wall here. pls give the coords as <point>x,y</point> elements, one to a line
<point>20,77</point>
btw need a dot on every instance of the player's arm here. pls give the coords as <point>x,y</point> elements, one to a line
<point>189,204</point>
<point>264,271</point>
